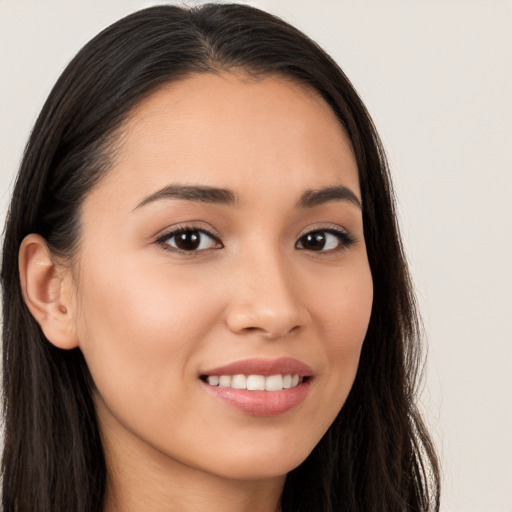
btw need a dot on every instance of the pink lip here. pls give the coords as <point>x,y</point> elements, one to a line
<point>265,367</point>
<point>262,403</point>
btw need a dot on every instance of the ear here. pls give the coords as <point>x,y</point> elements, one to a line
<point>46,288</point>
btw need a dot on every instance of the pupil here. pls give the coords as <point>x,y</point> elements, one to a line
<point>188,241</point>
<point>315,241</point>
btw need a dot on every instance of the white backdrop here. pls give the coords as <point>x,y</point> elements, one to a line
<point>437,77</point>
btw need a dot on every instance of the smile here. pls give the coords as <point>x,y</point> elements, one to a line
<point>260,387</point>
<point>255,382</point>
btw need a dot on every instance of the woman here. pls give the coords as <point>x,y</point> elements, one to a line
<point>206,304</point>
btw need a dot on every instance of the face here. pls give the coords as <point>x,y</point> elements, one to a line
<point>223,289</point>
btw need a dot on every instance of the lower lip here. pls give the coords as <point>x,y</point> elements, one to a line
<point>261,403</point>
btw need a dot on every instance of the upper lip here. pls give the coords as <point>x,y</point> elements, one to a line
<point>265,367</point>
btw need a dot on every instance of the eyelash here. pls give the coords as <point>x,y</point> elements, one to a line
<point>344,239</point>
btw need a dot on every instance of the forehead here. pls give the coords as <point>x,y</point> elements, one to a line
<point>233,131</point>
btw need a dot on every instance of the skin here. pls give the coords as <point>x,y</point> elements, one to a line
<point>150,319</point>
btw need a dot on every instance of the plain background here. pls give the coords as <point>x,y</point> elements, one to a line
<point>436,76</point>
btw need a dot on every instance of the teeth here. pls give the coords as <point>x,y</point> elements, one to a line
<point>225,381</point>
<point>213,380</point>
<point>274,383</point>
<point>239,382</point>
<point>255,382</point>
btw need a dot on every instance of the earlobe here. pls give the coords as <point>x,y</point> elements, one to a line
<point>45,287</point>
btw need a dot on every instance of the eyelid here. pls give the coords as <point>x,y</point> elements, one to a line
<point>188,225</point>
<point>336,228</point>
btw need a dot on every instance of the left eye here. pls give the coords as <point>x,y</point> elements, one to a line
<point>324,240</point>
<point>190,240</point>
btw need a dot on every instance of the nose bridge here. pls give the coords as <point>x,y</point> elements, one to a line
<point>266,297</point>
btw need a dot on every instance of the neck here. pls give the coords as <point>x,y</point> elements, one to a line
<point>197,497</point>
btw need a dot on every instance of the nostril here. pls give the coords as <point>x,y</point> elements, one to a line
<point>270,320</point>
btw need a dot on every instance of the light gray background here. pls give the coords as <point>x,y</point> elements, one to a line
<point>437,77</point>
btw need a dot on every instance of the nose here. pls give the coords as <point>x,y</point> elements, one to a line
<point>266,300</point>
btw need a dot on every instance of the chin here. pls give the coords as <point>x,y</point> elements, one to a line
<point>261,463</point>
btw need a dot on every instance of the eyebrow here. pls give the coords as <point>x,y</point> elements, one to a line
<point>192,193</point>
<point>206,194</point>
<point>312,198</point>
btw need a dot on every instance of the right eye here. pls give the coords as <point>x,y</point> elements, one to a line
<point>189,240</point>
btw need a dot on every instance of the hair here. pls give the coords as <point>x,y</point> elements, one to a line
<point>377,455</point>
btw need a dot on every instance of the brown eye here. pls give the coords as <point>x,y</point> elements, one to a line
<point>313,241</point>
<point>324,240</point>
<point>190,240</point>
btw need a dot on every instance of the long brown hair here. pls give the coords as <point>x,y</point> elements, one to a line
<point>377,455</point>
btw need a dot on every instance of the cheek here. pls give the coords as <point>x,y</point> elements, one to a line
<point>344,306</point>
<point>139,326</point>
<point>343,314</point>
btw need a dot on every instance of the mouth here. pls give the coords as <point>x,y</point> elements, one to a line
<point>260,387</point>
